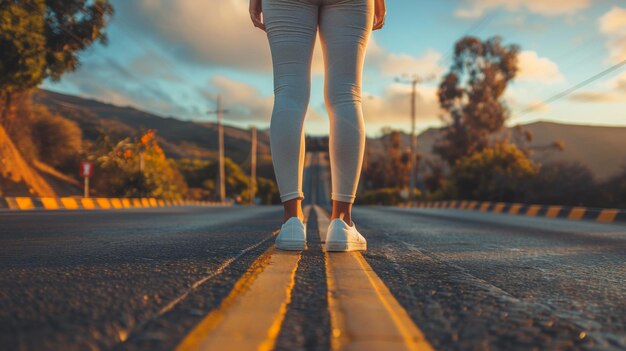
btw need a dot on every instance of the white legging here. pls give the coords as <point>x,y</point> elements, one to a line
<point>345,27</point>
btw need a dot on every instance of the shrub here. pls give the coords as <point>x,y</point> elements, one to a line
<point>138,168</point>
<point>562,183</point>
<point>614,191</point>
<point>384,196</point>
<point>498,173</point>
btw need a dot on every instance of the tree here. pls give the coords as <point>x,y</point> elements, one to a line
<point>471,95</point>
<point>42,39</point>
<point>498,173</point>
<point>22,49</point>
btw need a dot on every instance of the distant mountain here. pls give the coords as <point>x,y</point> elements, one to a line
<point>602,149</point>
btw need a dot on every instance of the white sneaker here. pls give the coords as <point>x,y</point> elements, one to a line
<point>292,235</point>
<point>342,237</point>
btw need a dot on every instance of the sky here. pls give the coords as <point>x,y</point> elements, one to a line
<point>173,57</point>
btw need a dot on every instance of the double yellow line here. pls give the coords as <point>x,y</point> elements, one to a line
<point>364,314</point>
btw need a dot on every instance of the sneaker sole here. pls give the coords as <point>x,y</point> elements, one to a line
<point>291,245</point>
<point>345,247</point>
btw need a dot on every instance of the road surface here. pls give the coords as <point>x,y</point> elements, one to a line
<point>161,279</point>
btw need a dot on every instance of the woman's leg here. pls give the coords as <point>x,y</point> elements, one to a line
<point>345,28</point>
<point>291,29</point>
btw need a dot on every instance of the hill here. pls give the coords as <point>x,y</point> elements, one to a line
<point>602,149</point>
<point>178,138</point>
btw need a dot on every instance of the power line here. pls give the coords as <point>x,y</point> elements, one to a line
<point>570,90</point>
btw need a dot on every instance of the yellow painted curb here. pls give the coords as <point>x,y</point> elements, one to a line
<point>607,215</point>
<point>103,203</point>
<point>116,203</point>
<point>515,208</point>
<point>49,203</point>
<point>69,203</point>
<point>88,203</point>
<point>577,213</point>
<point>24,203</point>
<point>533,210</point>
<point>553,211</point>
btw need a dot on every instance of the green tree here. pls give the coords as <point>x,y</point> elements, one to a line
<point>22,49</point>
<point>471,95</point>
<point>498,173</point>
<point>41,39</point>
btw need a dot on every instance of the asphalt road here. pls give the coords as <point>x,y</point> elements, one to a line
<point>142,279</point>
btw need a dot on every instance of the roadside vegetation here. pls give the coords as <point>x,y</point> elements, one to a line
<point>471,162</point>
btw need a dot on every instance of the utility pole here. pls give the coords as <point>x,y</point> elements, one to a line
<point>414,80</point>
<point>253,166</point>
<point>221,175</point>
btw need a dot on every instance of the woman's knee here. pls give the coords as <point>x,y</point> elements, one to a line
<point>337,94</point>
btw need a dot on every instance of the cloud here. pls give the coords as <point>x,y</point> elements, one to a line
<point>220,33</point>
<point>477,8</point>
<point>594,97</point>
<point>395,64</point>
<point>394,106</point>
<point>619,83</point>
<point>244,102</point>
<point>214,32</point>
<point>539,69</point>
<point>613,26</point>
<point>153,65</point>
<point>107,80</point>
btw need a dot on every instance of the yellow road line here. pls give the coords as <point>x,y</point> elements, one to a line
<point>251,316</point>
<point>364,314</point>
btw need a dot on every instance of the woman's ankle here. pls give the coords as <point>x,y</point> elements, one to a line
<point>293,208</point>
<point>342,210</point>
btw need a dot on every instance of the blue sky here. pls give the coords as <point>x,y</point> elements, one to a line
<point>172,57</point>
